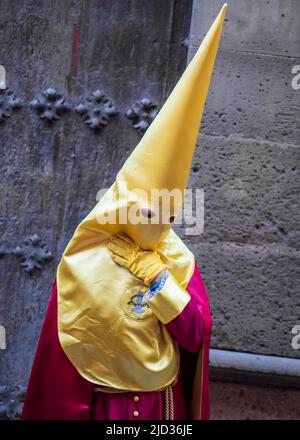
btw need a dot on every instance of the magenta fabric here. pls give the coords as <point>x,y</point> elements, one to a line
<point>199,311</point>
<point>57,391</point>
<point>151,405</point>
<point>187,328</point>
<point>192,330</point>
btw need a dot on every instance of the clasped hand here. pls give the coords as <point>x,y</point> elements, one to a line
<point>143,264</point>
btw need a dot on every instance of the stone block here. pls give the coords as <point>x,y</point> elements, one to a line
<point>254,293</point>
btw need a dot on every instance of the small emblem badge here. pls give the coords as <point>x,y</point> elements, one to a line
<point>133,303</point>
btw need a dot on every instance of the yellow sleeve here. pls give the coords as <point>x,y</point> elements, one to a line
<point>169,301</point>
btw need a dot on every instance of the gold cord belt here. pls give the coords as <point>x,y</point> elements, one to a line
<point>169,403</point>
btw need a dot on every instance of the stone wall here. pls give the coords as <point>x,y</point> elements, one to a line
<point>247,162</point>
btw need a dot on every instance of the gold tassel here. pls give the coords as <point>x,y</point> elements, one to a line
<point>169,403</point>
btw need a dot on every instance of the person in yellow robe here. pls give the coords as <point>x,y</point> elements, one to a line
<point>127,331</point>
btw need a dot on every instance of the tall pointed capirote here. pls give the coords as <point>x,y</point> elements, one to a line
<point>163,157</point>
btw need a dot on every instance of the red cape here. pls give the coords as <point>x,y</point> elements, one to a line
<point>57,391</point>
